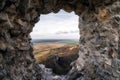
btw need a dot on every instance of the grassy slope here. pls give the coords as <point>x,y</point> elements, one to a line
<point>42,51</point>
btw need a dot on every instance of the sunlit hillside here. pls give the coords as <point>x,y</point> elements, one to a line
<point>43,51</point>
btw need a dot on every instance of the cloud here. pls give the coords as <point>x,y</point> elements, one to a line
<point>53,23</point>
<point>67,32</point>
<point>57,36</point>
<point>62,32</point>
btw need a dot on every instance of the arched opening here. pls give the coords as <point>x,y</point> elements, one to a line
<point>99,42</point>
<point>55,40</point>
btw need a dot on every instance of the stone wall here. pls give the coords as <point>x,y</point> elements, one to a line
<point>99,44</point>
<point>99,24</point>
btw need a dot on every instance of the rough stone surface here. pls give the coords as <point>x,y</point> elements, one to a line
<point>99,55</point>
<point>99,45</point>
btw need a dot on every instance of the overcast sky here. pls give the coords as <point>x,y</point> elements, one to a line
<point>62,25</point>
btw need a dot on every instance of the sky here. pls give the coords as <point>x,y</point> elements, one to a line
<point>62,25</point>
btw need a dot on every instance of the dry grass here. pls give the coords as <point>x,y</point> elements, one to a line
<point>43,51</point>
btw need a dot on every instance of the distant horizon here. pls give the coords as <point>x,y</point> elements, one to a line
<point>52,40</point>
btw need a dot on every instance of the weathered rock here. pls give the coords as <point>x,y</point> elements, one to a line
<point>99,42</point>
